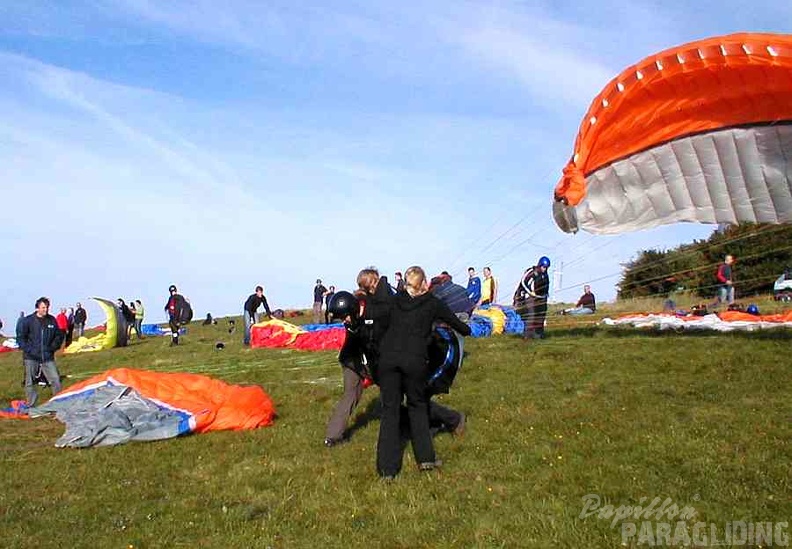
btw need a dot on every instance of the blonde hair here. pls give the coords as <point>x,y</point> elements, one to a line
<point>415,281</point>
<point>367,280</point>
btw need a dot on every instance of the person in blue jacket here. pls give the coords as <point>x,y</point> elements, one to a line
<point>39,337</point>
<point>473,287</point>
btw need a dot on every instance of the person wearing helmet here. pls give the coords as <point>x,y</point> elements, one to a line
<point>530,298</point>
<point>364,315</point>
<point>174,308</point>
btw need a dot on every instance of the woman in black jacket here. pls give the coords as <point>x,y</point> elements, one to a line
<point>403,372</point>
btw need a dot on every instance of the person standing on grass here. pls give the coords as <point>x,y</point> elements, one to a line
<point>489,288</point>
<point>250,311</point>
<point>69,326</point>
<point>328,297</point>
<point>725,282</point>
<point>530,298</point>
<point>319,293</point>
<point>129,316</point>
<point>403,372</point>
<point>39,336</point>
<point>140,313</point>
<point>80,318</point>
<point>63,323</point>
<point>19,321</point>
<point>174,307</point>
<point>473,287</point>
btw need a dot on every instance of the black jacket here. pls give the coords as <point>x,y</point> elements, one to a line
<point>252,304</point>
<point>410,327</point>
<point>39,338</point>
<point>80,316</point>
<point>535,284</point>
<point>360,351</point>
<point>127,313</point>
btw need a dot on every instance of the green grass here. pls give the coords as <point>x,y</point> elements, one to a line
<point>703,419</point>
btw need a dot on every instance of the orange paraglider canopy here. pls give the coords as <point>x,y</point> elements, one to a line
<point>721,82</point>
<point>207,404</point>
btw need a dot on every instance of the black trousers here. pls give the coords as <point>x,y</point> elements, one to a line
<point>533,315</point>
<point>174,326</point>
<point>397,380</point>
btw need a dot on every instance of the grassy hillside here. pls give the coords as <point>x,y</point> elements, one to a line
<point>704,419</point>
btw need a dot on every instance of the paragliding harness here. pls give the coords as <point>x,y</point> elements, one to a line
<point>179,309</point>
<point>445,360</point>
<point>357,352</point>
<point>353,354</point>
<point>186,313</point>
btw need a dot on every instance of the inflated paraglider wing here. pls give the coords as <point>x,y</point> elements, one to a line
<point>699,133</point>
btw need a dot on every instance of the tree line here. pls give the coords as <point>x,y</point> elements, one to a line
<point>762,253</point>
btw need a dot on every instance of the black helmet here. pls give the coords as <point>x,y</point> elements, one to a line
<point>342,305</point>
<point>172,288</point>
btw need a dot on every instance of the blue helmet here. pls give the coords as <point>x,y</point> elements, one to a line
<point>752,309</point>
<point>544,261</point>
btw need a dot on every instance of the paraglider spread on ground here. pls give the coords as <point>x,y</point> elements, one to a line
<point>727,321</point>
<point>486,321</point>
<point>123,405</point>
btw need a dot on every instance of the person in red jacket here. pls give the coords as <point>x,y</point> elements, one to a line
<point>725,282</point>
<point>63,323</point>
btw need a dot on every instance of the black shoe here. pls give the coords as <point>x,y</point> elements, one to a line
<point>330,442</point>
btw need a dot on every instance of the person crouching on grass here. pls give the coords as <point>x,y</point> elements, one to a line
<point>403,371</point>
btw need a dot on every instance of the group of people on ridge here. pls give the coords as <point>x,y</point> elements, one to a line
<point>133,315</point>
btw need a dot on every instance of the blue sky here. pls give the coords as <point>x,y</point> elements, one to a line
<point>219,145</point>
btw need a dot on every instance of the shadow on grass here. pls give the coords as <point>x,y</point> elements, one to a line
<point>372,412</point>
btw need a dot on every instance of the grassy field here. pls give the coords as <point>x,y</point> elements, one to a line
<point>702,419</point>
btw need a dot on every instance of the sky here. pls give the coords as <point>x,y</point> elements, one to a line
<point>221,145</point>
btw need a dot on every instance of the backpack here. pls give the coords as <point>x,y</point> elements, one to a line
<point>186,313</point>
